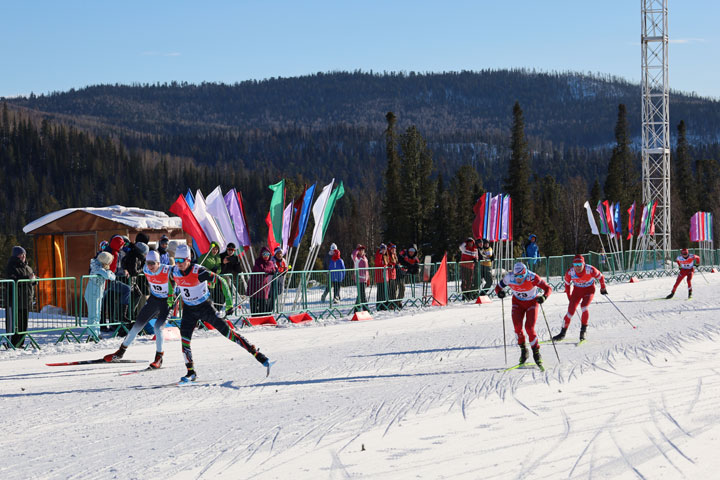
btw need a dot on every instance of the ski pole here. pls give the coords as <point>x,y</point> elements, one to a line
<point>549,332</point>
<point>621,313</point>
<point>502,306</point>
<point>703,275</point>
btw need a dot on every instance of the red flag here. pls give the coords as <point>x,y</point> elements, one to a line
<point>631,221</point>
<point>479,222</point>
<point>652,218</point>
<point>439,284</point>
<point>189,223</point>
<point>609,218</point>
<point>272,244</point>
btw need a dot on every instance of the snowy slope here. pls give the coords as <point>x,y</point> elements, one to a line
<point>420,394</point>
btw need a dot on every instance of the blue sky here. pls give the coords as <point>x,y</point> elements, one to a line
<point>50,46</point>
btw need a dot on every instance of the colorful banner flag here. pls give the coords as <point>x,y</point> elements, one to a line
<point>272,244</point>
<point>609,219</point>
<point>479,221</point>
<point>206,221</point>
<point>695,234</point>
<point>617,220</point>
<point>189,223</point>
<point>303,215</point>
<point>591,219</point>
<point>438,284</point>
<point>336,195</point>
<point>277,204</point>
<point>286,227</point>
<point>232,203</point>
<point>631,221</point>
<point>190,199</point>
<point>505,220</point>
<point>216,207</point>
<point>486,216</point>
<point>708,226</point>
<point>495,206</point>
<point>603,219</point>
<point>644,222</point>
<point>652,218</point>
<point>318,211</point>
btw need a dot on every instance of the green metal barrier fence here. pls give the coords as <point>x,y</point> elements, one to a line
<point>57,306</point>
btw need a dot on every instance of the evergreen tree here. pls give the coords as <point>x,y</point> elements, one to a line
<point>517,183</point>
<point>392,203</point>
<point>684,188</point>
<point>623,180</point>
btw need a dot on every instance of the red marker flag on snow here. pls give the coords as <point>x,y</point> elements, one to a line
<point>439,284</point>
<point>189,223</point>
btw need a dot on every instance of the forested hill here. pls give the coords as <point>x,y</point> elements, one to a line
<point>563,108</point>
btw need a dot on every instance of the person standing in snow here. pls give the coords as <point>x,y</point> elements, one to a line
<point>468,259</point>
<point>326,267</point>
<point>686,263</point>
<point>159,277</point>
<point>360,262</point>
<point>524,286</point>
<point>337,274</point>
<point>580,289</point>
<point>281,268</point>
<point>381,266</point>
<point>100,271</point>
<point>392,275</point>
<point>193,280</point>
<point>16,269</point>
<point>260,282</point>
<point>486,258</point>
<point>532,251</point>
<point>408,269</point>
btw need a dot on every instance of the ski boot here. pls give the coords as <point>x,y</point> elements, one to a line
<point>561,335</point>
<point>690,293</point>
<point>536,356</point>
<point>157,363</point>
<point>523,353</point>
<point>190,376</point>
<point>583,329</point>
<point>111,357</point>
<point>671,295</point>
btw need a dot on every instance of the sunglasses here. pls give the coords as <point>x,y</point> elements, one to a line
<point>150,263</point>
<point>180,260</point>
<point>578,264</point>
<point>266,254</point>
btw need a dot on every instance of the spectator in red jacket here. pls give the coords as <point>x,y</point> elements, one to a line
<point>382,261</point>
<point>468,260</point>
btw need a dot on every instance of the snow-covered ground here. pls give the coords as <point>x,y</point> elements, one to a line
<point>416,394</point>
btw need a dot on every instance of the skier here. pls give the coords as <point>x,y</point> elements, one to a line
<point>582,276</point>
<point>193,283</point>
<point>524,286</point>
<point>687,263</point>
<point>161,300</point>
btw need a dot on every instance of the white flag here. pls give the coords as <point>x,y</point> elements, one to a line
<point>591,220</point>
<point>217,208</point>
<point>287,225</point>
<point>319,213</point>
<point>206,221</point>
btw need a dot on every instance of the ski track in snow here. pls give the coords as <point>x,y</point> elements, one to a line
<point>424,394</point>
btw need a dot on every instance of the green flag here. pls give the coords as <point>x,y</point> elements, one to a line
<point>276,208</point>
<point>334,197</point>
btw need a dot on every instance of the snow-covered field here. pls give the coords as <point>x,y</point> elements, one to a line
<point>416,394</point>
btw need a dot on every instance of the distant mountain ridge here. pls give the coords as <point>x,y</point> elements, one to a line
<point>563,108</point>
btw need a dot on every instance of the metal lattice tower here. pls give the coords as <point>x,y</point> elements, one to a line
<point>656,118</point>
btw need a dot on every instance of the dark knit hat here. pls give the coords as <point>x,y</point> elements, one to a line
<point>17,251</point>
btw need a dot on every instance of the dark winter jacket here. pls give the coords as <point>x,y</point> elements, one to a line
<point>410,262</point>
<point>133,261</point>
<point>259,282</point>
<point>233,264</point>
<point>17,269</point>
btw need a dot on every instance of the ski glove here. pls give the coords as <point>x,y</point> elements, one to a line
<point>220,314</point>
<point>501,294</point>
<point>541,299</point>
<point>603,291</point>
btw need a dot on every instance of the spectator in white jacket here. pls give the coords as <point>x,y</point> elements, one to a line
<point>360,263</point>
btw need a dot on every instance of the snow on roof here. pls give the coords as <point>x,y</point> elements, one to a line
<point>137,218</point>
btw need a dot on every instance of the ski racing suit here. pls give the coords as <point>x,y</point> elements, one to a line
<point>687,266</point>
<point>580,289</point>
<point>524,303</point>
<point>198,307</point>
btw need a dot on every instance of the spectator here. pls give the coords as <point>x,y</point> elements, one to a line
<point>360,262</point>
<point>260,281</point>
<point>381,266</point>
<point>392,275</point>
<point>468,259</point>
<point>486,259</point>
<point>18,269</point>
<point>117,297</point>
<point>532,251</point>
<point>133,263</point>
<point>171,249</point>
<point>162,250</point>
<point>95,289</point>
<point>408,268</point>
<point>134,260</point>
<point>230,261</point>
<point>211,260</point>
<point>326,267</point>
<point>281,267</point>
<point>337,274</point>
